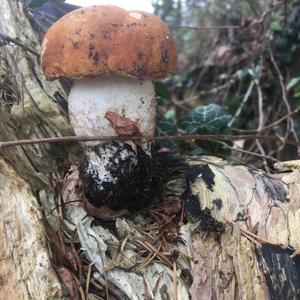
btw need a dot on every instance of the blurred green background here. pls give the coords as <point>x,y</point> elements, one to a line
<point>240,78</point>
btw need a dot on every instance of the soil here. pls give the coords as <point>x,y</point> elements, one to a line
<point>136,180</point>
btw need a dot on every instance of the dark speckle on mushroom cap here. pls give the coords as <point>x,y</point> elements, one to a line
<point>108,40</point>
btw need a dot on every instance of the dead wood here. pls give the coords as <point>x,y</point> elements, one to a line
<point>239,238</point>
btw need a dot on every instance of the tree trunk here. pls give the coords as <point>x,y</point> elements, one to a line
<point>240,239</point>
<point>28,109</point>
<point>25,268</point>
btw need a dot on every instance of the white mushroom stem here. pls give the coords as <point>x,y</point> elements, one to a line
<point>91,98</point>
<point>89,101</point>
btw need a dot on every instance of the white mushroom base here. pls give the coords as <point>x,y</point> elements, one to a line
<point>112,171</point>
<point>115,175</point>
<point>102,162</point>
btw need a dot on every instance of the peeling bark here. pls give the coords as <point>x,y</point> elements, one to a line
<point>25,268</point>
<point>238,267</point>
<point>33,110</point>
<point>222,202</point>
<point>28,109</point>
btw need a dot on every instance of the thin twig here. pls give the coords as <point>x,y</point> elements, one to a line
<point>290,121</point>
<point>151,248</point>
<point>261,123</point>
<point>87,286</point>
<point>239,110</point>
<point>141,140</point>
<point>202,28</point>
<point>263,156</point>
<point>146,262</point>
<point>175,294</point>
<point>260,106</point>
<point>261,239</point>
<point>113,261</point>
<point>19,43</point>
<point>277,122</point>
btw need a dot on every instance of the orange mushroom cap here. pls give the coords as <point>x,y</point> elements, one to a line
<point>108,40</point>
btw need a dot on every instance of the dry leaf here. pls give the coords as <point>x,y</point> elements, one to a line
<point>69,281</point>
<point>104,212</point>
<point>296,252</point>
<point>122,125</point>
<point>72,187</point>
<point>71,257</point>
<point>171,207</point>
<point>132,145</point>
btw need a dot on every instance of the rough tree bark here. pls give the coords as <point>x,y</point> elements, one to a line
<point>240,242</point>
<point>29,109</point>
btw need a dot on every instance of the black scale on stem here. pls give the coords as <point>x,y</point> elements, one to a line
<point>136,179</point>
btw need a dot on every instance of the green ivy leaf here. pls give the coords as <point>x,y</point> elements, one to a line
<point>161,91</point>
<point>294,81</point>
<point>296,94</point>
<point>165,127</point>
<point>276,26</point>
<point>211,118</point>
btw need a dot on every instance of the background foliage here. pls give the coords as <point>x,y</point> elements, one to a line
<point>243,79</point>
<point>248,76</point>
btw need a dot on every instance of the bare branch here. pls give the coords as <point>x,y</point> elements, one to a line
<point>19,43</point>
<point>142,140</point>
<point>275,123</point>
<point>263,156</point>
<point>239,110</point>
<point>290,121</point>
<point>203,28</point>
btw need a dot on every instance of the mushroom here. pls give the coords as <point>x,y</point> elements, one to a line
<point>112,55</point>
